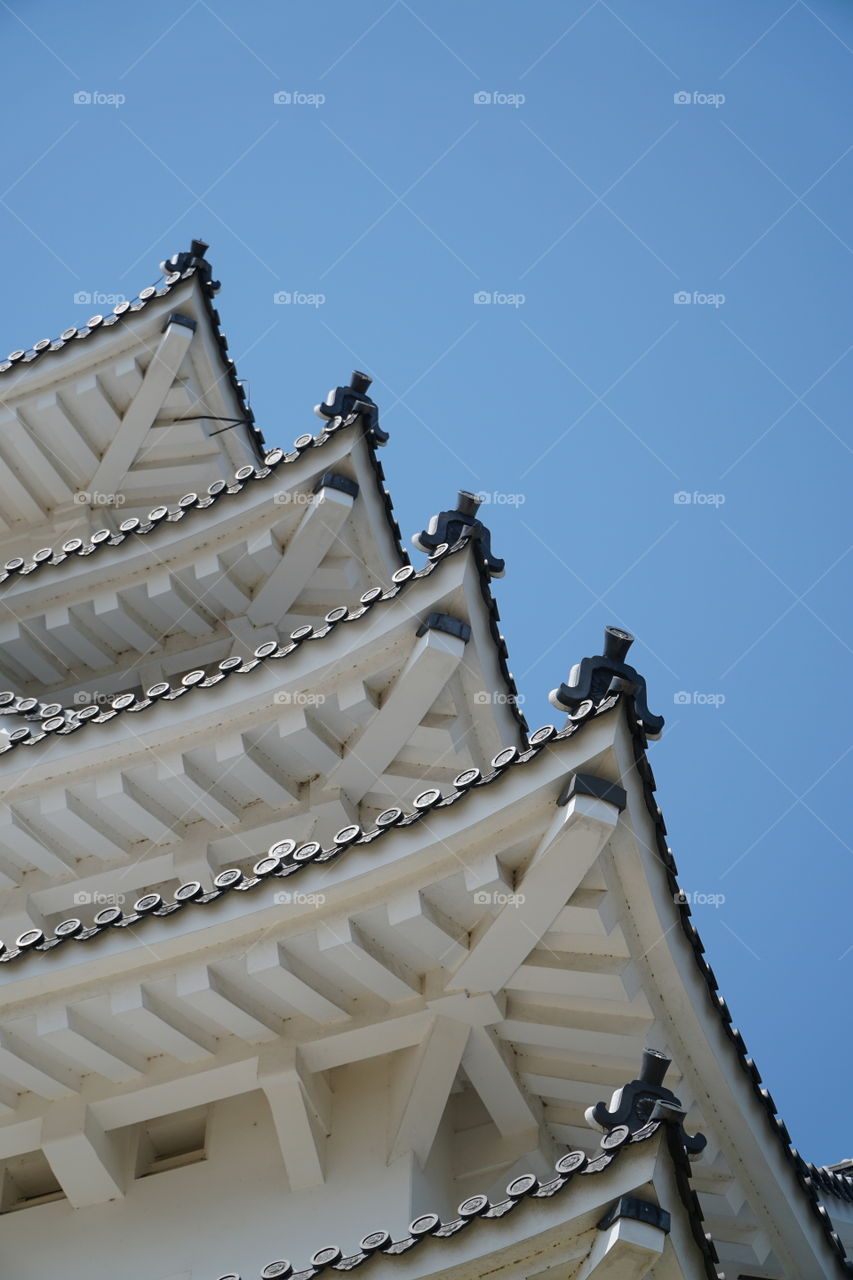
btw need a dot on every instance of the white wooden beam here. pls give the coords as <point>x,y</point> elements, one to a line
<point>306,549</point>
<point>433,660</point>
<point>23,1067</point>
<point>572,843</point>
<point>27,847</point>
<point>301,1107</point>
<point>426,927</point>
<point>143,409</point>
<point>194,791</point>
<point>420,1088</point>
<point>267,962</point>
<point>214,998</point>
<point>487,1064</point>
<point>626,1251</point>
<point>247,763</point>
<point>368,1041</point>
<point>89,1164</point>
<point>142,1012</point>
<point>86,1045</point>
<point>365,960</point>
<point>121,796</point>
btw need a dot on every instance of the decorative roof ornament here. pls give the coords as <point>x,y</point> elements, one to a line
<point>180,262</point>
<point>644,1100</point>
<point>608,673</point>
<point>450,527</point>
<point>341,402</point>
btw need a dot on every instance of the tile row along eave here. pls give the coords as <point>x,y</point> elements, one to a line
<point>286,858</point>
<point>124,314</point>
<point>523,1188</point>
<point>70,720</point>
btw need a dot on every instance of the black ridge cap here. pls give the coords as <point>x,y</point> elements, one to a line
<point>44,730</point>
<point>514,758</point>
<point>804,1173</point>
<point>272,461</point>
<point>124,311</point>
<point>430,1226</point>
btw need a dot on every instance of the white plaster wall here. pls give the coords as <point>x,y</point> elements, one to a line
<point>235,1211</point>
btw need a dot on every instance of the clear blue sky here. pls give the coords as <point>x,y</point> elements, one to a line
<point>596,398</point>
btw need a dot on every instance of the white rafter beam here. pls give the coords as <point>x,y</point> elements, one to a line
<point>269,964</point>
<point>86,1045</point>
<point>246,762</point>
<point>214,998</point>
<point>486,1063</point>
<point>427,928</point>
<point>143,409</point>
<point>301,1106</point>
<point>87,1162</point>
<point>364,960</point>
<point>142,1012</point>
<point>423,1078</point>
<point>306,549</point>
<point>433,660</point>
<point>568,850</point>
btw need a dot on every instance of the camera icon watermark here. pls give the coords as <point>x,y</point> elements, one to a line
<point>684,298</point>
<point>498,898</point>
<point>286,498</point>
<point>684,899</point>
<point>485,298</point>
<point>84,898</point>
<point>684,499</point>
<point>97,298</point>
<point>501,499</point>
<point>284,698</point>
<point>285,899</point>
<point>85,499</point>
<point>499,99</point>
<point>686,699</point>
<point>83,98</point>
<point>485,697</point>
<point>285,298</point>
<point>92,698</point>
<point>295,98</point>
<point>697,99</point>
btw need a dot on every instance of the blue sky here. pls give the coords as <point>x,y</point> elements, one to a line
<point>624,155</point>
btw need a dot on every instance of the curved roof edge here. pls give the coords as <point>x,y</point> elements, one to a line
<point>68,720</point>
<point>74,548</point>
<point>123,313</point>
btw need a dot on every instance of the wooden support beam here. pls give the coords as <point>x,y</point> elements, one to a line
<point>267,962</point>
<point>121,796</point>
<point>364,960</point>
<point>301,1108</point>
<point>251,768</point>
<point>423,1078</point>
<point>217,1000</point>
<point>144,1013</point>
<point>88,1046</point>
<point>571,845</point>
<point>25,1068</point>
<point>422,924</point>
<point>488,1065</point>
<point>432,661</point>
<point>194,791</point>
<point>89,1164</point>
<point>143,409</point>
<point>306,549</point>
<point>27,848</point>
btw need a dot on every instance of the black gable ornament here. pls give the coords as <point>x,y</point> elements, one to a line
<point>342,402</point>
<point>608,672</point>
<point>644,1100</point>
<point>448,527</point>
